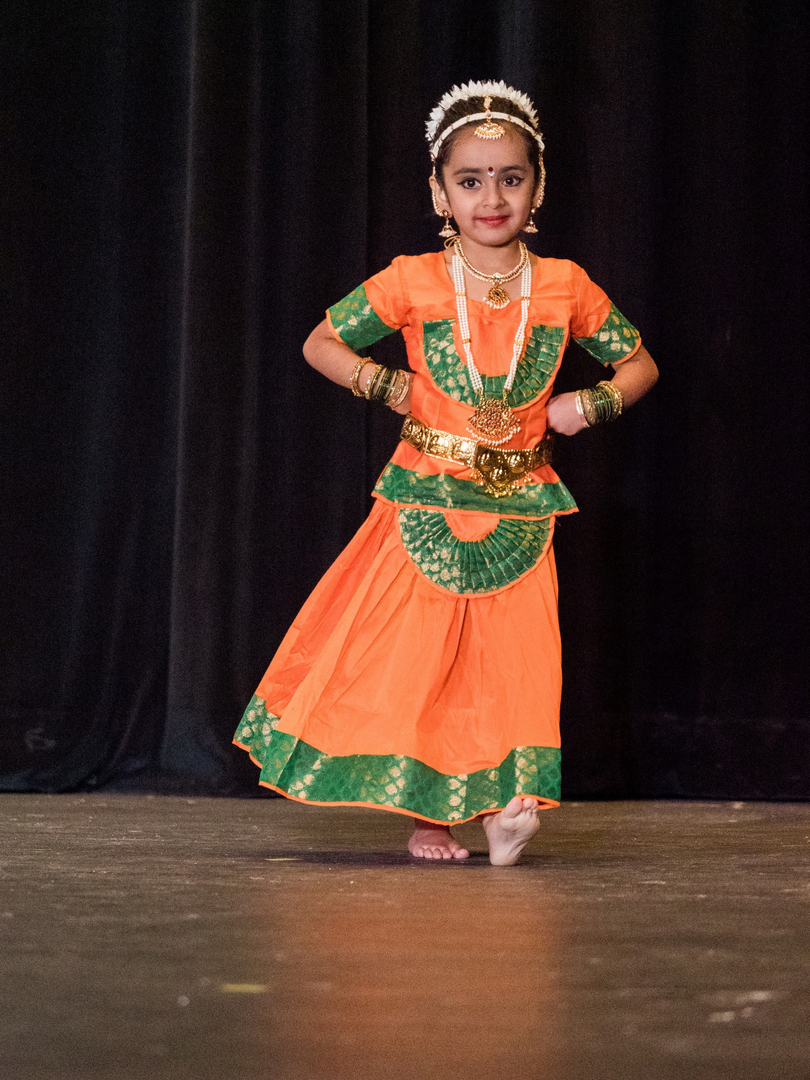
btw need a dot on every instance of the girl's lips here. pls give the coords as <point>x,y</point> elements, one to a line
<point>495,220</point>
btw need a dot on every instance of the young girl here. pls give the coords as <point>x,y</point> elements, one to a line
<point>422,676</point>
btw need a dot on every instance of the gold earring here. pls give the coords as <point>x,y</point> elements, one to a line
<point>530,226</point>
<point>448,231</point>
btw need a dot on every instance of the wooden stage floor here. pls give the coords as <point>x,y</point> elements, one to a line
<point>188,939</point>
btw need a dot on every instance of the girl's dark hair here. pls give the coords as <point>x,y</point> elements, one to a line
<point>476,105</point>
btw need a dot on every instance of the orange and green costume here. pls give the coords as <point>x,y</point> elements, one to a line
<point>422,675</point>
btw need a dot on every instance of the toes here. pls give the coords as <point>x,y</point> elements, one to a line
<point>513,807</point>
<point>424,851</point>
<point>430,848</point>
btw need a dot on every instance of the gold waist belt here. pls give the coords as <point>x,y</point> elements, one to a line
<point>497,471</point>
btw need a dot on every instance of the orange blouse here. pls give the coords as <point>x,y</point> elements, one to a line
<point>415,294</point>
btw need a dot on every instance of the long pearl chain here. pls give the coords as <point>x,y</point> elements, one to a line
<point>464,324</point>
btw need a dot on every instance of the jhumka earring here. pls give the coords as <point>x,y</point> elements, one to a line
<point>447,230</point>
<point>530,226</point>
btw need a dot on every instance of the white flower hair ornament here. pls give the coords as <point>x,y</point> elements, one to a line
<point>489,129</point>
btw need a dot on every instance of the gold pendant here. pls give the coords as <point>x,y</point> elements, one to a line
<point>497,297</point>
<point>489,130</point>
<point>493,422</point>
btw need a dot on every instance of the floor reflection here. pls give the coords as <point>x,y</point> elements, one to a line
<point>413,971</point>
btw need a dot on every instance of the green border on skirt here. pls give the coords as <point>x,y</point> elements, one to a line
<point>390,780</point>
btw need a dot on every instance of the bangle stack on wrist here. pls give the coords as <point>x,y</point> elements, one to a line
<point>600,404</point>
<point>389,386</point>
<point>402,384</point>
<point>355,379</point>
<point>380,384</point>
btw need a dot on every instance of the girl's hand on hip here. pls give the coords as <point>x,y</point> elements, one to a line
<point>563,416</point>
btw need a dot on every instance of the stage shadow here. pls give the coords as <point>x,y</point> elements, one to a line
<point>370,859</point>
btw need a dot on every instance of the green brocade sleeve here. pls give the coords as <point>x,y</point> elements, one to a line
<point>356,322</point>
<point>614,341</point>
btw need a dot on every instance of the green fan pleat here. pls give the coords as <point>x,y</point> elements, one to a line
<point>471,566</point>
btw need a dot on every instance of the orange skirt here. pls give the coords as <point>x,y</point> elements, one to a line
<point>390,690</point>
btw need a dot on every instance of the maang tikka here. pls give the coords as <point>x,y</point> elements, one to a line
<point>488,130</point>
<point>488,91</point>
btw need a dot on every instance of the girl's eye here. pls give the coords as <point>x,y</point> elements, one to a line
<point>513,181</point>
<point>469,182</point>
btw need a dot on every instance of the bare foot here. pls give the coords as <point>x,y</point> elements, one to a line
<point>510,831</point>
<point>435,842</point>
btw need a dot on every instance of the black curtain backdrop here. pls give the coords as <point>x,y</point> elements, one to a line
<point>188,185</point>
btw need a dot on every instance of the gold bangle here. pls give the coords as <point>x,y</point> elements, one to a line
<point>588,407</point>
<point>373,382</point>
<point>600,404</point>
<point>355,379</point>
<point>616,395</point>
<point>401,387</point>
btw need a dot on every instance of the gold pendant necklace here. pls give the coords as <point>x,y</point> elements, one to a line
<point>497,297</point>
<point>493,422</point>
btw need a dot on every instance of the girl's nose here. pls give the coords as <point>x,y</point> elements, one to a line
<point>493,195</point>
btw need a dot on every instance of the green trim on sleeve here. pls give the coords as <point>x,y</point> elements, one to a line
<point>615,339</point>
<point>356,321</point>
<point>392,781</point>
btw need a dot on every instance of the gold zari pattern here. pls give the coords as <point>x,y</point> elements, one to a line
<point>392,781</point>
<point>498,472</point>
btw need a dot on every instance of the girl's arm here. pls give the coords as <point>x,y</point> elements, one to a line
<point>634,378</point>
<point>337,361</point>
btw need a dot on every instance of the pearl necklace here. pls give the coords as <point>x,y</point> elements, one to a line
<point>493,422</point>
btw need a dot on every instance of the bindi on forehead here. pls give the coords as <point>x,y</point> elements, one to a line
<point>472,170</point>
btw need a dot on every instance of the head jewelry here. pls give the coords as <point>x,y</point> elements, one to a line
<point>487,130</point>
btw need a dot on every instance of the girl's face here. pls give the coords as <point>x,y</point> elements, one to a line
<point>488,186</point>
